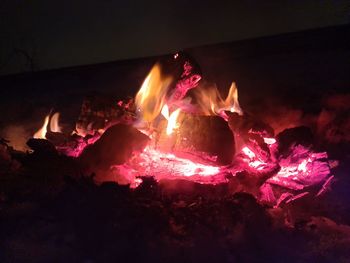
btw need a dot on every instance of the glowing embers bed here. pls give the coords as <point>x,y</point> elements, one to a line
<point>179,128</point>
<point>162,165</point>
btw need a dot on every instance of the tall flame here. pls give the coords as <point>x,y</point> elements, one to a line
<point>151,96</point>
<point>54,126</point>
<point>41,133</point>
<point>171,118</point>
<point>211,101</point>
<point>232,100</point>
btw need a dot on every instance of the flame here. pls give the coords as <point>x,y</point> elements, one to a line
<point>54,126</point>
<point>172,119</point>
<point>211,101</point>
<point>231,100</point>
<point>151,96</point>
<point>41,133</point>
<point>165,111</point>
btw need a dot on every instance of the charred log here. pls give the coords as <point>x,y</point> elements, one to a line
<point>251,132</point>
<point>58,138</point>
<point>294,136</point>
<point>247,124</point>
<point>41,146</point>
<point>208,135</point>
<point>97,112</point>
<point>114,147</point>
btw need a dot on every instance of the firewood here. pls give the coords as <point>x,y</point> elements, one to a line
<point>252,132</point>
<point>41,146</point>
<point>206,136</point>
<point>57,138</point>
<point>294,136</point>
<point>114,147</point>
<point>246,124</point>
<point>98,111</point>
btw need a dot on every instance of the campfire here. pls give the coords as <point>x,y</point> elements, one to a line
<point>179,127</point>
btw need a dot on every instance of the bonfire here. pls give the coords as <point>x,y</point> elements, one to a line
<point>178,127</point>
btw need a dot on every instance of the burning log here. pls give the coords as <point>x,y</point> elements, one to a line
<point>114,147</point>
<point>250,134</point>
<point>244,125</point>
<point>98,112</point>
<point>208,137</point>
<point>189,78</point>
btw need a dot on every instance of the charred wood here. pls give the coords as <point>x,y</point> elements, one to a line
<point>98,112</point>
<point>251,132</point>
<point>114,147</point>
<point>247,124</point>
<point>58,138</point>
<point>205,135</point>
<point>41,146</point>
<point>294,136</point>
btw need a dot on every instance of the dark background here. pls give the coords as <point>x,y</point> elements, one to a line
<point>39,34</point>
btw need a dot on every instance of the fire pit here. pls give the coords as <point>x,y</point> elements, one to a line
<point>179,127</point>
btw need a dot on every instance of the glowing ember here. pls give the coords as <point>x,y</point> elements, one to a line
<point>302,168</point>
<point>161,165</point>
<point>253,161</point>
<point>270,141</point>
<point>177,165</point>
<point>248,152</point>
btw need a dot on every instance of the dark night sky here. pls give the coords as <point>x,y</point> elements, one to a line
<point>60,33</point>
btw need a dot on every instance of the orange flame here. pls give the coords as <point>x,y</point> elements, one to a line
<point>151,96</point>
<point>232,100</point>
<point>211,101</point>
<point>172,119</point>
<point>54,126</point>
<point>41,133</point>
<point>54,123</point>
<point>150,101</point>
